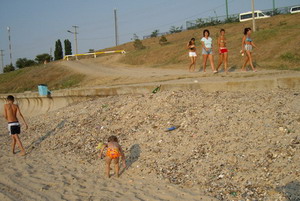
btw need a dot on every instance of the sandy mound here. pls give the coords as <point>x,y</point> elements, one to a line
<point>229,145</point>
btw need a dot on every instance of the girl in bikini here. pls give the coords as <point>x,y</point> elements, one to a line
<point>113,153</point>
<point>223,52</point>
<point>192,54</point>
<point>247,46</point>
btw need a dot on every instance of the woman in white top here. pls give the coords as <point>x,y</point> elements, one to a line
<point>207,50</point>
<point>192,54</point>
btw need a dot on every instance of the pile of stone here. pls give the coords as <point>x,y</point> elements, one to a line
<point>231,145</point>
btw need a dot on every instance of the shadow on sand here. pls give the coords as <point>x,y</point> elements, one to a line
<point>134,154</point>
<point>36,143</point>
<point>291,190</point>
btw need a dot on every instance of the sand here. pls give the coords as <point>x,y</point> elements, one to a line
<point>227,146</point>
<point>48,175</point>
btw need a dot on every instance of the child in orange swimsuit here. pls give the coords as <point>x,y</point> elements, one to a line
<point>113,153</point>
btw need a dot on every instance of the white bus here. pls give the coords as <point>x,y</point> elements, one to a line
<point>295,9</point>
<point>248,16</point>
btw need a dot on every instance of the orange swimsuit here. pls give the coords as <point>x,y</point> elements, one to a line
<point>113,153</point>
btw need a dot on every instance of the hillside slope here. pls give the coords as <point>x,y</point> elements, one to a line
<point>277,37</point>
<point>27,79</point>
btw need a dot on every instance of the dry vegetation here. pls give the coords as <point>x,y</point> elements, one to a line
<point>277,38</point>
<point>27,79</point>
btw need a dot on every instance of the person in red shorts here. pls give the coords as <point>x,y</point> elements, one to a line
<point>223,51</point>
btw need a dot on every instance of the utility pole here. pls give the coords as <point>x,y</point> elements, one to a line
<point>116,27</point>
<point>2,62</point>
<point>9,40</point>
<point>253,17</point>
<point>227,9</point>
<point>273,7</point>
<point>50,54</point>
<point>75,38</point>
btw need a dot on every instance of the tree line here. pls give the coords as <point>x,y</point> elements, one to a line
<point>42,58</point>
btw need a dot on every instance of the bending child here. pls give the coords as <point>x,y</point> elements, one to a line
<point>113,153</point>
<point>11,111</point>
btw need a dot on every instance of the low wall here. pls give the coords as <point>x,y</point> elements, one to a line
<point>31,104</point>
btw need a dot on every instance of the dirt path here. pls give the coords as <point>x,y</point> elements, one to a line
<point>106,71</point>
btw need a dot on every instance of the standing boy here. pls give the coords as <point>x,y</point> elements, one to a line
<point>11,111</point>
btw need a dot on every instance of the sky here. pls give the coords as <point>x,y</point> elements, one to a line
<point>35,25</point>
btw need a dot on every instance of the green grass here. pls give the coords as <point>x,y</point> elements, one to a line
<point>290,57</point>
<point>70,81</point>
<point>265,34</point>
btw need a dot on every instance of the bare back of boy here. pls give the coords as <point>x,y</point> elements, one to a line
<point>11,112</point>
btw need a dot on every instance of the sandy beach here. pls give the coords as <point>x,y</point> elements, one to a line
<point>226,146</point>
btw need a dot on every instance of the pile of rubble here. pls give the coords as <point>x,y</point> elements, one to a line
<point>231,145</point>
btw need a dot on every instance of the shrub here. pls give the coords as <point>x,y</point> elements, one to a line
<point>163,40</point>
<point>8,68</point>
<point>174,29</point>
<point>138,45</point>
<point>23,62</point>
<point>154,33</point>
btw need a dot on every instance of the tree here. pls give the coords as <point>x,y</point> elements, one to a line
<point>154,33</point>
<point>58,52</point>
<point>91,50</point>
<point>68,47</point>
<point>8,68</point>
<point>41,58</point>
<point>174,29</point>
<point>23,62</point>
<point>163,40</point>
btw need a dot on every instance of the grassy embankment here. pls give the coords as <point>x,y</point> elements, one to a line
<point>277,37</point>
<point>27,79</point>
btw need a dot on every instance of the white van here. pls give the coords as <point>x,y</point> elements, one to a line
<point>295,9</point>
<point>248,16</point>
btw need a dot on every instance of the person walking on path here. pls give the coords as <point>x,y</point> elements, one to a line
<point>192,54</point>
<point>223,51</point>
<point>247,47</point>
<point>207,50</point>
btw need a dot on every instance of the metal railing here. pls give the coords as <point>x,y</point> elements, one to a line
<point>210,21</point>
<point>94,54</point>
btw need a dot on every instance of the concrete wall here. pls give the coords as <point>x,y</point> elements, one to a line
<point>31,104</point>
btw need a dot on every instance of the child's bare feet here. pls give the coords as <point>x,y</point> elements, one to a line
<point>23,153</point>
